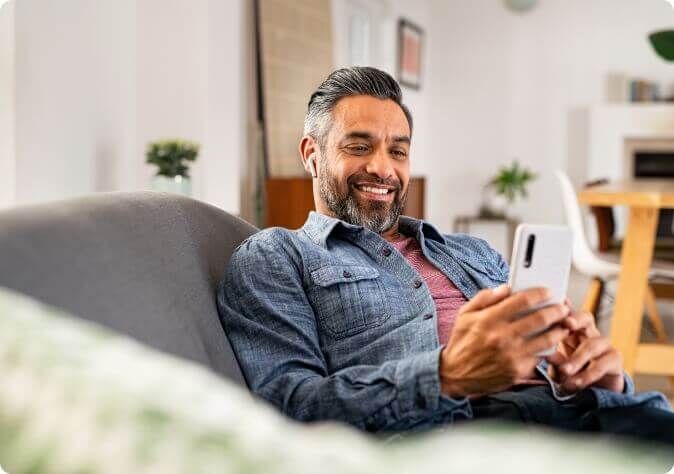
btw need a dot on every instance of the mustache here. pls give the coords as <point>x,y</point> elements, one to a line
<point>363,178</point>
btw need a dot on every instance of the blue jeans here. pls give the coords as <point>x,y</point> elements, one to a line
<point>535,404</point>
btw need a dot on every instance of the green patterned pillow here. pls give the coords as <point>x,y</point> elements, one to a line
<point>78,398</point>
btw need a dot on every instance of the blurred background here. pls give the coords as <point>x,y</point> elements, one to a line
<point>86,85</point>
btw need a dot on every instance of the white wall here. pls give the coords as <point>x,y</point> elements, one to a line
<point>7,170</point>
<point>117,163</point>
<point>507,85</point>
<point>55,90</point>
<point>172,75</point>
<point>230,87</point>
<point>96,81</point>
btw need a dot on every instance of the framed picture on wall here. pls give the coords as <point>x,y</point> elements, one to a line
<point>410,39</point>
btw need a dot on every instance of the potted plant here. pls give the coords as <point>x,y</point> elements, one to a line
<point>172,159</point>
<point>509,184</point>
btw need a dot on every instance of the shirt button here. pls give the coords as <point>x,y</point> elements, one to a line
<point>346,274</point>
<point>417,283</point>
<point>386,252</point>
<point>428,316</point>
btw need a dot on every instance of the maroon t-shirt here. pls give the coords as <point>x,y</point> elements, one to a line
<point>447,297</point>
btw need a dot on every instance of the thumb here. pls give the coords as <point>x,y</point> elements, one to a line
<point>486,298</point>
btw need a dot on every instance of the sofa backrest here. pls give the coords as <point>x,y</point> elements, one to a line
<point>143,263</point>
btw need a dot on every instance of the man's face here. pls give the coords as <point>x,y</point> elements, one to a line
<point>364,168</point>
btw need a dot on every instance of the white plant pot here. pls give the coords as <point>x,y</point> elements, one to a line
<point>175,185</point>
<point>496,203</point>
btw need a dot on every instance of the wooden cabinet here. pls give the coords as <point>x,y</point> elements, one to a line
<point>289,200</point>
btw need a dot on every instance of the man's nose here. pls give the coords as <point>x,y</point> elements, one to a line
<point>379,165</point>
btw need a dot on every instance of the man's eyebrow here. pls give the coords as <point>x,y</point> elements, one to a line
<point>370,136</point>
<point>401,139</point>
<point>358,134</point>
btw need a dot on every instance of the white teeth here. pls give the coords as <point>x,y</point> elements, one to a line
<point>374,190</point>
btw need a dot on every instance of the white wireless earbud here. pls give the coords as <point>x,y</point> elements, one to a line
<point>311,162</point>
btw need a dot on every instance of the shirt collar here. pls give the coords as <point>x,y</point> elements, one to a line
<point>319,227</point>
<point>420,229</point>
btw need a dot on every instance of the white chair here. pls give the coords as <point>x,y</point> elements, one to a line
<point>586,262</point>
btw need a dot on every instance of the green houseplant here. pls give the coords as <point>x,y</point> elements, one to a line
<point>663,43</point>
<point>503,190</point>
<point>172,158</point>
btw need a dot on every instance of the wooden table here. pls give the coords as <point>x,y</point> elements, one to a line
<point>644,198</point>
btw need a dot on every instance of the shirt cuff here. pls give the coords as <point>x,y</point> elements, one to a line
<point>435,386</point>
<point>420,387</point>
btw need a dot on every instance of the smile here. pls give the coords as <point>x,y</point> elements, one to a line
<point>380,193</point>
<point>374,190</point>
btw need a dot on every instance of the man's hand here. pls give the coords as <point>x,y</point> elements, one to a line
<point>586,358</point>
<point>490,349</point>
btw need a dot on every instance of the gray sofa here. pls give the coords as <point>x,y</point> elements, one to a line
<point>145,264</point>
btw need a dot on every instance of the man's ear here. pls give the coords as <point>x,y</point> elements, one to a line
<point>309,153</point>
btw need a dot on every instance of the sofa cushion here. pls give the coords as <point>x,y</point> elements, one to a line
<point>76,397</point>
<point>143,263</point>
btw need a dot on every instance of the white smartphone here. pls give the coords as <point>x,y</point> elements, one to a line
<point>541,258</point>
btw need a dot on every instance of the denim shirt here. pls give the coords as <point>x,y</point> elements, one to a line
<point>330,322</point>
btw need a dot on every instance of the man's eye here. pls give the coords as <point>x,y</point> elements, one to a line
<point>358,149</point>
<point>399,154</point>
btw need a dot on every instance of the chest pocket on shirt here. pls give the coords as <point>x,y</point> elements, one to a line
<point>349,299</point>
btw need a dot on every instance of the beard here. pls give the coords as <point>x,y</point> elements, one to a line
<point>376,216</point>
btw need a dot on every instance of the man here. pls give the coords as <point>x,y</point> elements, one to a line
<point>383,322</point>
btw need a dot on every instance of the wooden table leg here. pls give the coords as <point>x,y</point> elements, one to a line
<point>635,263</point>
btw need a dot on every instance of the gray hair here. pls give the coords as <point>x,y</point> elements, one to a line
<point>348,82</point>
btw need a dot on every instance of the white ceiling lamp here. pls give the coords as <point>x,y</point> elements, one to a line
<point>522,6</point>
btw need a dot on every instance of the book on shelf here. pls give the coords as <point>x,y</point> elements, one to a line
<point>621,88</point>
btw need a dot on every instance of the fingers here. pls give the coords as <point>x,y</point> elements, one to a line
<point>518,303</point>
<point>539,320</point>
<point>546,340</point>
<point>587,351</point>
<point>582,321</point>
<point>579,320</point>
<point>608,363</point>
<point>568,302</point>
<point>485,298</point>
<point>557,358</point>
